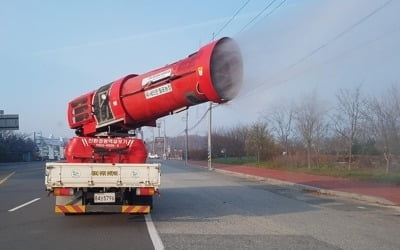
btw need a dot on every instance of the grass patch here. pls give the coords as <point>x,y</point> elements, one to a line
<point>235,160</point>
<point>362,174</point>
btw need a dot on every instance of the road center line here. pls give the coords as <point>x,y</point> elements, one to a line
<point>23,205</point>
<point>155,238</point>
<point>6,178</point>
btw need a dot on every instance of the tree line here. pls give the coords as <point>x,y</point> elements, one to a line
<point>358,129</point>
<point>16,147</point>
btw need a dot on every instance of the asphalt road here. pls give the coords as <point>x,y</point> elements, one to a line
<point>36,226</point>
<point>197,209</point>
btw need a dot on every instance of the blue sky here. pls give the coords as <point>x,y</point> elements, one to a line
<point>54,51</point>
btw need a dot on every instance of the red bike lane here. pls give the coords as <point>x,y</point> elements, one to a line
<point>387,192</point>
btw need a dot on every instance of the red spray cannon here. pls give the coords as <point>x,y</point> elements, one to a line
<point>214,73</point>
<point>102,118</point>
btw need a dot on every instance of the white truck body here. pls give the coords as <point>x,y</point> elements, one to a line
<point>102,187</point>
<point>83,175</point>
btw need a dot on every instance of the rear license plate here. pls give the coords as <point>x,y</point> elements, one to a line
<point>104,197</point>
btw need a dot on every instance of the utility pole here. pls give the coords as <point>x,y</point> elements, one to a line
<point>187,138</point>
<point>210,128</point>
<point>153,140</point>
<point>209,137</point>
<point>165,137</point>
<point>159,128</point>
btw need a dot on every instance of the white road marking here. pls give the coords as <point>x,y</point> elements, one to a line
<point>23,205</point>
<point>6,178</point>
<point>155,238</point>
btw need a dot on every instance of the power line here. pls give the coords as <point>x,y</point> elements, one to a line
<point>226,24</point>
<point>223,27</point>
<point>200,120</point>
<point>340,34</point>
<point>347,30</point>
<point>210,103</point>
<point>344,53</point>
<point>313,52</point>
<point>261,12</point>
<point>197,123</point>
<point>214,35</point>
<point>231,19</point>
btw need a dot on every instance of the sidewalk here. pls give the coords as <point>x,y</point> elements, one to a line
<point>367,191</point>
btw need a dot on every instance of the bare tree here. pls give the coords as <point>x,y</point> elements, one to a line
<point>309,118</point>
<point>230,141</point>
<point>280,118</point>
<point>320,136</point>
<point>238,135</point>
<point>347,117</point>
<point>259,141</point>
<point>384,118</point>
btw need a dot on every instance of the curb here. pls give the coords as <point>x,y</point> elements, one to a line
<point>302,187</point>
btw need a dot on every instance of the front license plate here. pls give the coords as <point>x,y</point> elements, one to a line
<point>104,197</point>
